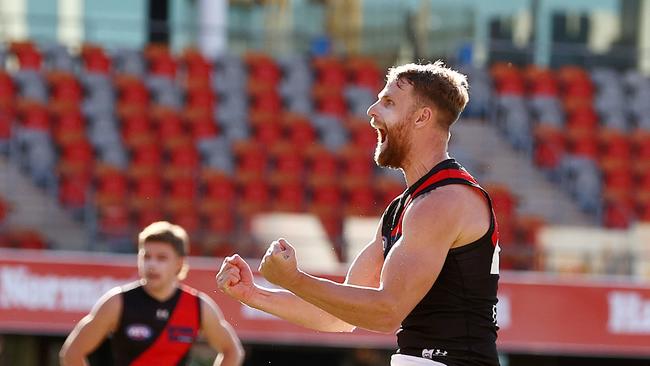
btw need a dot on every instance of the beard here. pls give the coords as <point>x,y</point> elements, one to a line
<point>392,151</point>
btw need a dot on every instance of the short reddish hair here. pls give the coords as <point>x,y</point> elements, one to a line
<point>435,84</point>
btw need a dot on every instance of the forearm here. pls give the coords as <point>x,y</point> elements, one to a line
<point>292,308</point>
<point>365,307</point>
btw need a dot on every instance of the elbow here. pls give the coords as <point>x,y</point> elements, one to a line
<point>238,353</point>
<point>64,356</point>
<point>241,354</point>
<point>388,317</point>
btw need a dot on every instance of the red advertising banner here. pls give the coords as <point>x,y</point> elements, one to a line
<point>48,292</point>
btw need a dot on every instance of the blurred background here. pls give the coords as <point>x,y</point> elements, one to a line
<point>246,120</point>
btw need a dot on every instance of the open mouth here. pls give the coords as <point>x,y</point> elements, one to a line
<point>381,134</point>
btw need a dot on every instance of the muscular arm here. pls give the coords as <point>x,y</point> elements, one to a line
<point>92,329</point>
<point>364,271</point>
<point>220,334</point>
<point>408,273</point>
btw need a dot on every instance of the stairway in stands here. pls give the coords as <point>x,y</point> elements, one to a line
<point>33,208</point>
<point>485,152</point>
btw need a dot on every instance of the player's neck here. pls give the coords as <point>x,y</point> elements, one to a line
<point>422,160</point>
<point>161,293</point>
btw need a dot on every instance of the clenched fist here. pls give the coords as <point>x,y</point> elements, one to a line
<point>235,279</point>
<point>279,265</point>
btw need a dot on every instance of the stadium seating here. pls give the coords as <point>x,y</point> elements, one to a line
<point>592,144</point>
<point>141,136</point>
<point>147,135</point>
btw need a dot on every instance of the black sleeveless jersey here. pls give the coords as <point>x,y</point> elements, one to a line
<point>151,332</point>
<point>455,322</point>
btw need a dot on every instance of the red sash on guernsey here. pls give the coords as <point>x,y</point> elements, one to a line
<point>449,173</point>
<point>179,333</point>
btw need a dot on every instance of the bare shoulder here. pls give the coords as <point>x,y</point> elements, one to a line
<point>456,209</point>
<point>209,308</point>
<point>110,301</point>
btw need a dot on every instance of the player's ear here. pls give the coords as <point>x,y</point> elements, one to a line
<point>425,115</point>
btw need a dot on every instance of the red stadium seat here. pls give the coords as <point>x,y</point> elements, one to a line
<point>183,190</point>
<point>583,143</point>
<point>219,192</point>
<point>503,201</point>
<point>333,105</point>
<point>69,126</point>
<point>289,197</point>
<point>201,96</point>
<point>387,190</point>
<point>184,161</point>
<point>263,73</point>
<point>95,59</point>
<point>268,133</point>
<point>34,115</point>
<point>330,72</point>
<point>189,219</point>
<point>111,186</point>
<point>615,149</point>
<point>361,200</point>
<point>619,177</point>
<point>508,79</point>
<point>161,62</point>
<point>300,133</point>
<point>618,213</point>
<point>251,161</point>
<point>541,81</point>
<point>221,222</point>
<point>29,239</point>
<point>357,165</point>
<point>137,130</point>
<point>73,189</point>
<point>325,198</point>
<point>64,87</point>
<point>7,87</point>
<point>288,165</point>
<point>171,129</point>
<point>29,57</point>
<point>145,159</point>
<point>148,214</point>
<point>113,220</point>
<point>76,156</point>
<point>550,146</point>
<point>365,72</point>
<point>196,65</point>
<point>147,190</point>
<point>583,118</point>
<point>324,166</point>
<point>132,91</point>
<point>363,136</point>
<point>5,209</point>
<point>254,197</point>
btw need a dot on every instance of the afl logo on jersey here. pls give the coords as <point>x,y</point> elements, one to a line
<point>138,332</point>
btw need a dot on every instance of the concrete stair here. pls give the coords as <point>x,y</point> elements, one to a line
<point>480,147</point>
<point>34,208</point>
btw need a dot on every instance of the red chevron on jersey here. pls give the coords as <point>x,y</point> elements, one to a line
<point>449,173</point>
<point>176,339</point>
